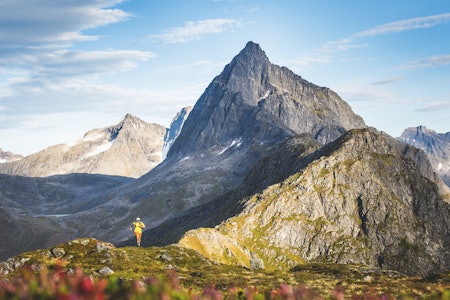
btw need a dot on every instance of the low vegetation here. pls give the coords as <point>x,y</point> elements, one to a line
<point>89,269</point>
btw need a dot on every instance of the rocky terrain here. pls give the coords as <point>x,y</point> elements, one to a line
<point>175,128</point>
<point>130,148</point>
<point>185,269</point>
<point>436,146</point>
<point>364,199</point>
<point>7,156</point>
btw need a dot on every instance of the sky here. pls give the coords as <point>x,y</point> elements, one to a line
<point>68,66</point>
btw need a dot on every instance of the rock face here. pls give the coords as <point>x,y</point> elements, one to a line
<point>364,198</point>
<point>435,145</point>
<point>6,156</point>
<point>130,148</point>
<point>255,102</point>
<point>175,128</point>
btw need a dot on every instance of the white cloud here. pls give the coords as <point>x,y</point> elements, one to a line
<point>428,62</point>
<point>195,30</point>
<point>325,54</point>
<point>56,23</point>
<point>435,106</point>
<point>404,25</point>
<point>388,80</point>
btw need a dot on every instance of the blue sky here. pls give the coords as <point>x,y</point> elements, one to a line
<point>70,66</point>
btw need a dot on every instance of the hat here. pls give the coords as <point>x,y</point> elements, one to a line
<point>138,219</point>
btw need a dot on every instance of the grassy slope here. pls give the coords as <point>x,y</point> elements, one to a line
<point>197,272</point>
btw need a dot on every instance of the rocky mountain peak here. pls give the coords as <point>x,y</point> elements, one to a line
<point>252,55</point>
<point>256,102</point>
<point>129,123</point>
<point>436,146</point>
<point>175,128</point>
<point>130,148</point>
<point>7,156</point>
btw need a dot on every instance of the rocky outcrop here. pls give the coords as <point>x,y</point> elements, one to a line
<point>131,148</point>
<point>362,199</point>
<point>435,145</point>
<point>7,156</point>
<point>175,128</point>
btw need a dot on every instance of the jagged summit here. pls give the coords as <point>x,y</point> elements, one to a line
<point>255,101</point>
<point>436,145</point>
<point>7,156</point>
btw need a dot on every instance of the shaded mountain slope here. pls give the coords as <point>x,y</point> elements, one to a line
<point>19,233</point>
<point>365,198</point>
<point>32,210</point>
<point>130,148</point>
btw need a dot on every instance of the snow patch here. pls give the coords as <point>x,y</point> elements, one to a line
<point>439,166</point>
<point>93,137</point>
<point>99,149</point>
<point>2,160</point>
<point>265,95</point>
<point>185,158</point>
<point>236,143</point>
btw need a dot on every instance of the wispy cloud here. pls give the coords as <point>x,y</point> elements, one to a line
<point>435,106</point>
<point>404,25</point>
<point>388,80</point>
<point>196,30</point>
<point>428,62</point>
<point>326,52</point>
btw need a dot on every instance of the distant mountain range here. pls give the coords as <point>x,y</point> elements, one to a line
<point>6,156</point>
<point>130,148</point>
<point>435,145</point>
<point>268,168</point>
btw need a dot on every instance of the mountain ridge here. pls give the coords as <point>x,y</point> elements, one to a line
<point>436,146</point>
<point>130,148</point>
<point>333,210</point>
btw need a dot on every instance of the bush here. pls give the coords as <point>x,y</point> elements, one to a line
<point>75,285</point>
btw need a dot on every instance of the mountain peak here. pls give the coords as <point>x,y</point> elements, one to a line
<point>252,55</point>
<point>253,49</point>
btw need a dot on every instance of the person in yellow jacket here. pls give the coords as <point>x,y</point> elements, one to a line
<point>138,225</point>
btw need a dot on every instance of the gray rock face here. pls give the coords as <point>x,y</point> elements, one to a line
<point>253,101</point>
<point>130,148</point>
<point>435,145</point>
<point>362,199</point>
<point>175,128</point>
<point>7,156</point>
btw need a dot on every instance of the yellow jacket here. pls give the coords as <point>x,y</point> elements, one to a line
<point>138,225</point>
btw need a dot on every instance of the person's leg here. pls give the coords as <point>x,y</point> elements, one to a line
<point>138,238</point>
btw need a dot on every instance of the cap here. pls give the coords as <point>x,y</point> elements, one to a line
<point>138,219</point>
